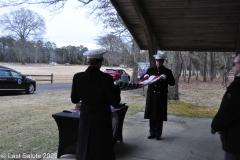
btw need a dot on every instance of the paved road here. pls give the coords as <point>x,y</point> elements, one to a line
<point>41,88</point>
<point>52,87</point>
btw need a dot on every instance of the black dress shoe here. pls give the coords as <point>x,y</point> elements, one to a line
<point>158,138</point>
<point>151,137</point>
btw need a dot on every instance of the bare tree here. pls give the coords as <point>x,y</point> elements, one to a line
<point>174,63</point>
<point>23,24</point>
<point>225,61</point>
<point>190,66</point>
<point>196,62</point>
<point>205,68</point>
<point>190,69</point>
<point>110,42</point>
<point>184,57</point>
<point>135,60</point>
<point>49,49</point>
<point>115,47</point>
<point>212,66</point>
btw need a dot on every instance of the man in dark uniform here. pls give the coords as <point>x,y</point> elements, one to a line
<point>97,92</point>
<point>156,101</point>
<point>227,119</point>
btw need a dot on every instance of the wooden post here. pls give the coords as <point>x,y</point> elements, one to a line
<point>51,78</point>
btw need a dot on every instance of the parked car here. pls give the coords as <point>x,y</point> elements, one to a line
<point>67,64</point>
<point>13,81</point>
<point>116,73</point>
<point>53,64</point>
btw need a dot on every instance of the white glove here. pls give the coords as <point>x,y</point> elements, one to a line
<point>117,82</point>
<point>146,75</point>
<point>163,77</point>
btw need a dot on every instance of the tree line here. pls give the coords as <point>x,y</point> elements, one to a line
<point>39,52</point>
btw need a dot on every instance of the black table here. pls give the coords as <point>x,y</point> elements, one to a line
<point>68,124</point>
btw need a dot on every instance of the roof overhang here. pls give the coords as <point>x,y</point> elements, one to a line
<point>186,25</point>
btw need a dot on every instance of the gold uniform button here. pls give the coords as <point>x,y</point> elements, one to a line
<point>154,91</point>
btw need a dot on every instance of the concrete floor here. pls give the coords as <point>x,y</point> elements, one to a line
<point>182,139</point>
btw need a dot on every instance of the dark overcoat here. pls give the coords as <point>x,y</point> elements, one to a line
<point>97,92</point>
<point>156,101</point>
<point>227,119</point>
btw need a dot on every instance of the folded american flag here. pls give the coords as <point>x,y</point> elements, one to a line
<point>141,83</point>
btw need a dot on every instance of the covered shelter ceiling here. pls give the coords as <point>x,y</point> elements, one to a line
<point>182,25</point>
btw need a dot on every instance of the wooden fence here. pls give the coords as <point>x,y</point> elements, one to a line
<point>50,76</point>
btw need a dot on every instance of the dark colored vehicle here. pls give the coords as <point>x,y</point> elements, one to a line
<point>67,64</point>
<point>116,73</point>
<point>14,81</point>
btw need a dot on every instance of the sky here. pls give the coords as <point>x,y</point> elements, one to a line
<point>70,27</point>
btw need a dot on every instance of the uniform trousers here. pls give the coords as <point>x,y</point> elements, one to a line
<point>155,127</point>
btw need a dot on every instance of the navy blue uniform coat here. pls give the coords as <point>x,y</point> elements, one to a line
<point>97,92</point>
<point>156,101</point>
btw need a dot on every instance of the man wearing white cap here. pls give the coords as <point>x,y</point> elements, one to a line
<point>97,92</point>
<point>156,101</point>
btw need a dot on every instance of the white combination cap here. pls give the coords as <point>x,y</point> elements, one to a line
<point>95,54</point>
<point>159,56</point>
